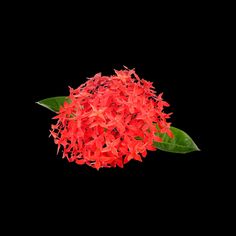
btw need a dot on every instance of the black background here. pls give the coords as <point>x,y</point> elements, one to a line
<point>54,48</point>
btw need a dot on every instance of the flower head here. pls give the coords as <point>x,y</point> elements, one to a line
<point>110,120</point>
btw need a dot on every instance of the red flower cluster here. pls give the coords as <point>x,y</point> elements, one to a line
<point>110,120</point>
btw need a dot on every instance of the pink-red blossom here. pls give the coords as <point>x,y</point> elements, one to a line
<point>109,121</point>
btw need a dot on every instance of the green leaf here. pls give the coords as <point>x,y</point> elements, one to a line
<point>138,138</point>
<point>53,103</point>
<point>181,143</point>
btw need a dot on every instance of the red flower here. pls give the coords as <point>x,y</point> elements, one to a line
<point>100,125</point>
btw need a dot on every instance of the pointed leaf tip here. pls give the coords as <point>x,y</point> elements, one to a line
<point>53,103</point>
<point>181,143</point>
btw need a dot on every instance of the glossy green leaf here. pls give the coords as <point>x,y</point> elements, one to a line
<point>181,143</point>
<point>53,103</point>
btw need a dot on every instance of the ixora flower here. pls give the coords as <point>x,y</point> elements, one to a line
<point>110,120</point>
